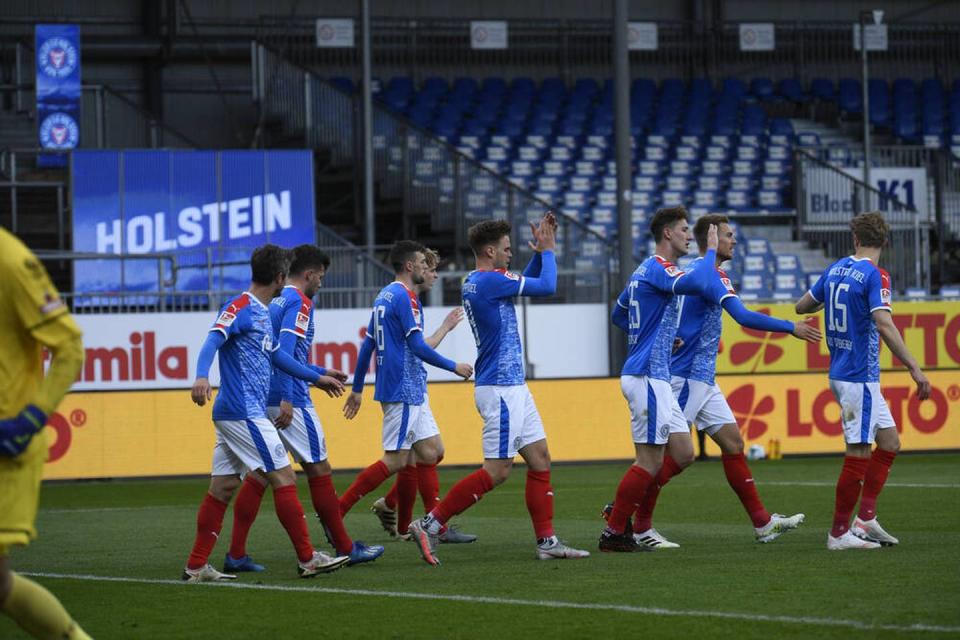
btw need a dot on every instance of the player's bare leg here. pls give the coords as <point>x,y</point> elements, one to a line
<point>767,527</point>
<point>865,525</point>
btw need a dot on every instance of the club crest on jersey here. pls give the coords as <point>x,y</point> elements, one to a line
<point>279,451</point>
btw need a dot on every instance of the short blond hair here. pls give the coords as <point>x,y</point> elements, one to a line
<point>433,258</point>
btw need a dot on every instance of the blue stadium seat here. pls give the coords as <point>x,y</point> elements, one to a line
<point>791,89</point>
<point>850,96</point>
<point>822,89</point>
<point>808,139</point>
<point>762,88</point>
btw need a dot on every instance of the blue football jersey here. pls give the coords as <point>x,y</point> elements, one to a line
<point>700,326</point>
<point>396,314</point>
<point>652,312</point>
<point>851,290</point>
<point>245,359</point>
<point>291,312</point>
<point>488,304</point>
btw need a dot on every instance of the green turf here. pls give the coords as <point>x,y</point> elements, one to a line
<point>143,530</point>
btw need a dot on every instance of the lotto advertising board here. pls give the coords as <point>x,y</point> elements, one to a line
<point>930,329</point>
<point>200,206</point>
<point>156,433</point>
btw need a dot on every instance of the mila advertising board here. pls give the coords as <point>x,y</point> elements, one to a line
<point>197,205</point>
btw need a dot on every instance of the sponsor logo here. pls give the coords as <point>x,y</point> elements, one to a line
<point>57,57</point>
<point>748,411</point>
<point>758,350</point>
<point>138,360</point>
<point>59,131</point>
<point>303,321</point>
<point>227,317</point>
<point>62,428</point>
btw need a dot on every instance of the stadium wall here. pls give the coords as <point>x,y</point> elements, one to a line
<point>157,433</point>
<point>776,386</point>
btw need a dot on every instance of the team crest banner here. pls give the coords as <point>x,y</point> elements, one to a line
<point>58,90</point>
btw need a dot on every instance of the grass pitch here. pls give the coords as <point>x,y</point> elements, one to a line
<point>113,553</point>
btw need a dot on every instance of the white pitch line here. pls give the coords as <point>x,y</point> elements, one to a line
<point>889,485</point>
<point>548,604</point>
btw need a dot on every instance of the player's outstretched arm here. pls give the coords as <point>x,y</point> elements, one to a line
<point>288,364</point>
<point>753,320</point>
<point>698,279</point>
<point>808,304</point>
<point>894,341</point>
<point>424,352</point>
<point>449,324</point>
<point>546,284</point>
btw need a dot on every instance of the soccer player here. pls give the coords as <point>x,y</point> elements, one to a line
<point>396,333</point>
<point>511,423</point>
<point>290,407</point>
<point>395,510</point>
<point>32,317</point>
<point>647,312</point>
<point>855,295</point>
<point>693,368</point>
<point>247,442</point>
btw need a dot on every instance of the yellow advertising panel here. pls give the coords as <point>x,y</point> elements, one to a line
<point>930,329</point>
<point>153,433</point>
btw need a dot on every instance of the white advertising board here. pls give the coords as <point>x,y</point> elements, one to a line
<point>159,351</point>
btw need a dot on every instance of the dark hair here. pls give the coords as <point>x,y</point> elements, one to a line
<point>269,261</point>
<point>308,256</point>
<point>702,227</point>
<point>664,218</point>
<point>402,251</point>
<point>486,233</point>
<point>870,229</point>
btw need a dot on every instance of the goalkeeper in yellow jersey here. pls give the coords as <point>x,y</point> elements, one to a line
<point>32,316</point>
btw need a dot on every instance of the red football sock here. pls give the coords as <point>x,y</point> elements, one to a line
<point>290,513</point>
<point>644,519</point>
<point>876,475</point>
<point>463,495</point>
<point>848,490</point>
<point>327,505</point>
<point>741,481</point>
<point>209,523</point>
<point>245,509</point>
<point>391,498</point>
<point>368,480</point>
<point>630,493</point>
<point>406,496</point>
<point>429,484</point>
<point>540,502</point>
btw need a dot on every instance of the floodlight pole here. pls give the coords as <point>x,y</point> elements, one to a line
<point>369,217</point>
<point>867,151</point>
<point>621,93</point>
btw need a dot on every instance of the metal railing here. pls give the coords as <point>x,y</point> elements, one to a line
<point>429,179</point>
<point>108,119</point>
<point>423,47</point>
<point>827,198</point>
